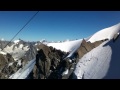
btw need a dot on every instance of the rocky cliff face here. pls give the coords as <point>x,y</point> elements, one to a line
<point>47,60</point>
<point>7,66</point>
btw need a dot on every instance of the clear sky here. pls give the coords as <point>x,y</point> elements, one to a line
<point>55,25</point>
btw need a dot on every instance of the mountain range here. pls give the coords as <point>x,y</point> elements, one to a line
<point>93,57</point>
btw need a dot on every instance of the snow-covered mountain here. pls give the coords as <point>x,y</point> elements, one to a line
<point>94,57</point>
<point>21,53</point>
<point>103,61</point>
<point>19,49</point>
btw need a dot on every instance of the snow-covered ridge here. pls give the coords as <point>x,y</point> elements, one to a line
<point>107,33</point>
<point>93,62</point>
<point>66,46</point>
<point>101,62</point>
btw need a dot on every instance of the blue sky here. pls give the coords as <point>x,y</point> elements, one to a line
<point>55,25</point>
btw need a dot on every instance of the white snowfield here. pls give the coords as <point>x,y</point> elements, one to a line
<point>67,46</point>
<point>23,73</point>
<point>106,33</point>
<point>103,62</point>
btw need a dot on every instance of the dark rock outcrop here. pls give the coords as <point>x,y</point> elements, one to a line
<point>5,69</point>
<point>85,47</point>
<point>47,62</point>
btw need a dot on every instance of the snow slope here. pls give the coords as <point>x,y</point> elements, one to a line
<point>23,73</point>
<point>106,33</point>
<point>103,62</point>
<point>67,46</point>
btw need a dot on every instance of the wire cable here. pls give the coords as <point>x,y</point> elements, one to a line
<point>21,29</point>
